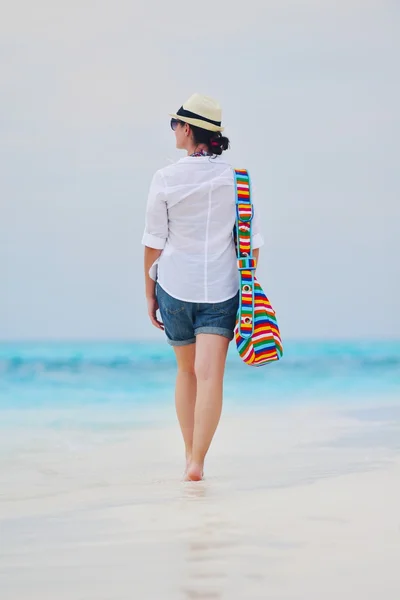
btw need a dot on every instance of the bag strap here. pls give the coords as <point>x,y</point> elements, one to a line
<point>245,259</point>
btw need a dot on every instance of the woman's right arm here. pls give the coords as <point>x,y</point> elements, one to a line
<point>257,239</point>
<point>256,254</point>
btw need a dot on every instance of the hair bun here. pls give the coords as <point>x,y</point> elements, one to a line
<point>219,143</point>
<point>215,142</point>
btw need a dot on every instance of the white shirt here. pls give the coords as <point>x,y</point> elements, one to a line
<point>190,215</point>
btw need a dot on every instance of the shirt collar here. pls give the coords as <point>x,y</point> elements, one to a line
<point>212,159</point>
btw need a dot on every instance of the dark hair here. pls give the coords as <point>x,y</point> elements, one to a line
<point>215,142</point>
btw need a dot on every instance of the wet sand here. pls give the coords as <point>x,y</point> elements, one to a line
<point>298,504</point>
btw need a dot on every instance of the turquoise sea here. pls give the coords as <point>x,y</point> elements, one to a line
<point>101,383</point>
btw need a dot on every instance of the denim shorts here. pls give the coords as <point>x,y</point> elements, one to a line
<point>184,320</point>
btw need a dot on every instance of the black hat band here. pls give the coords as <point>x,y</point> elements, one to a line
<point>182,112</point>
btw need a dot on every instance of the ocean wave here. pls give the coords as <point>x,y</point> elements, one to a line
<point>150,362</point>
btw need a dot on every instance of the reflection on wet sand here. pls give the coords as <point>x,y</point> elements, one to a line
<point>207,546</point>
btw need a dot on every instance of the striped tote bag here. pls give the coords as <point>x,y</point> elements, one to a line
<point>257,334</point>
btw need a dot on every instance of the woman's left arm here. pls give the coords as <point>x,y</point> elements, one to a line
<point>150,257</point>
<point>154,239</point>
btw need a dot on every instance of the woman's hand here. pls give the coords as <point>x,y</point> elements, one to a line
<point>152,307</point>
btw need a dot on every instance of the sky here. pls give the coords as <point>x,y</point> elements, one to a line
<point>310,94</point>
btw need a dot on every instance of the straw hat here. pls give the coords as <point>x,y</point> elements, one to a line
<point>201,111</point>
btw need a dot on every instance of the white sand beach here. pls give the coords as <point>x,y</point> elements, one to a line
<point>298,504</point>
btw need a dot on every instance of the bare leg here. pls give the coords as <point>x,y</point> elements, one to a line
<point>210,360</point>
<point>185,394</point>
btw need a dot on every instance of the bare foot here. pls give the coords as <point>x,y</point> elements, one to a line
<point>194,472</point>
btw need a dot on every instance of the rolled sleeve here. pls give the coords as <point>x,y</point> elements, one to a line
<point>156,228</point>
<point>153,241</point>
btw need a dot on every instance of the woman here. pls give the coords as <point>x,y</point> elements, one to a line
<point>191,270</point>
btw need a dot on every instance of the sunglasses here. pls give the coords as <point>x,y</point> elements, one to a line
<point>174,124</point>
